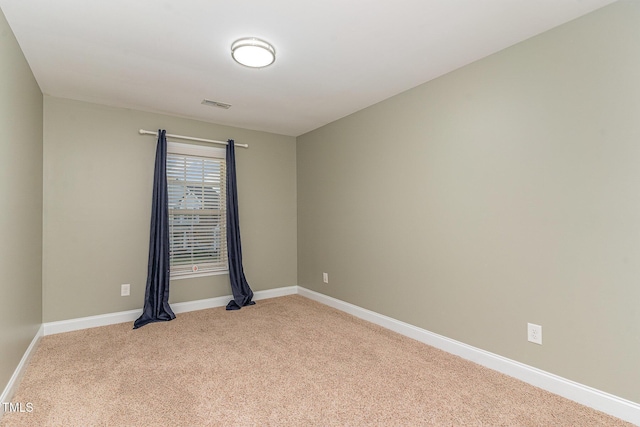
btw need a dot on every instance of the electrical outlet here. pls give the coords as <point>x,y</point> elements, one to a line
<point>125,290</point>
<point>325,277</point>
<point>534,333</point>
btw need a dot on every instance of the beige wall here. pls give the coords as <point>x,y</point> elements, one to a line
<point>21,201</point>
<point>503,193</point>
<point>98,174</point>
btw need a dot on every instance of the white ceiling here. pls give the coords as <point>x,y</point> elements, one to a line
<point>334,57</point>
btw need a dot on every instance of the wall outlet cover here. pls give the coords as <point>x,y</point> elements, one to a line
<point>125,290</point>
<point>534,333</point>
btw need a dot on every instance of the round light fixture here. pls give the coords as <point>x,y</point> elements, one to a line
<point>252,52</point>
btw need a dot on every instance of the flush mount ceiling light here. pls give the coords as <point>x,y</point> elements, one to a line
<point>252,52</point>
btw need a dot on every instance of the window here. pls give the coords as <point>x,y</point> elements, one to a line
<point>196,182</point>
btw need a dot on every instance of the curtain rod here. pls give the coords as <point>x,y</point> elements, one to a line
<point>147,132</point>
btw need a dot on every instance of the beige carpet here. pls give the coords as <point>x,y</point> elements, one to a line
<point>284,361</point>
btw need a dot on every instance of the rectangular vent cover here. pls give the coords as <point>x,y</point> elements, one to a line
<point>216,104</point>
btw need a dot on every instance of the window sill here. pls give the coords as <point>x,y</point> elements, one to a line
<point>194,275</point>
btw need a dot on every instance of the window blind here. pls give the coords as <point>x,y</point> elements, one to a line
<point>197,213</point>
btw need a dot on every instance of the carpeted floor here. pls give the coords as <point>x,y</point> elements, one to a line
<point>284,361</point>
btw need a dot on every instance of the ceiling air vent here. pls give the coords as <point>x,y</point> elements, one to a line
<point>211,103</point>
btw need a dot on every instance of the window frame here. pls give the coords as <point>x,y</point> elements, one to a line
<point>206,151</point>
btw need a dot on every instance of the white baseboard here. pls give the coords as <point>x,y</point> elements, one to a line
<point>51,328</point>
<point>183,307</point>
<point>274,293</point>
<point>588,396</point>
<point>12,385</point>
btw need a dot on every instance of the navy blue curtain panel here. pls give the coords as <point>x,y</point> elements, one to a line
<point>156,299</point>
<point>242,293</point>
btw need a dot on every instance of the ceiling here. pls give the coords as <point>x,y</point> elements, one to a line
<point>334,57</point>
